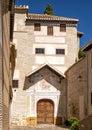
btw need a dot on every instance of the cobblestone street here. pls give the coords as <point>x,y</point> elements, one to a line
<point>39,127</point>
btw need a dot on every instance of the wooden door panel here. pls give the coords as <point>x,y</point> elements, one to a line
<point>49,115</point>
<point>45,111</point>
<point>49,120</point>
<point>40,120</point>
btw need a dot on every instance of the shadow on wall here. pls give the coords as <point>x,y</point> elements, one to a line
<point>86,124</point>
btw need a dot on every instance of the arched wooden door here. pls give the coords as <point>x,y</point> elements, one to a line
<point>45,111</point>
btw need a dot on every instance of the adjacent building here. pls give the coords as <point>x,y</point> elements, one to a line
<point>6,33</point>
<point>79,89</point>
<point>46,46</point>
<point>88,50</point>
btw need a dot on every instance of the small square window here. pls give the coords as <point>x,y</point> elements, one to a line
<point>39,51</point>
<point>15,83</point>
<point>62,28</point>
<point>37,27</point>
<point>91,98</point>
<point>60,51</point>
<point>49,30</point>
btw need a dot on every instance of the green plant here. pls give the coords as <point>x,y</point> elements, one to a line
<point>71,120</point>
<point>49,10</point>
<point>81,54</point>
<point>73,123</point>
<point>74,126</point>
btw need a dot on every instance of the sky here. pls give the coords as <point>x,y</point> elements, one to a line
<point>79,9</point>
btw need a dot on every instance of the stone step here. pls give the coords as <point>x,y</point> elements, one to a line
<point>39,127</point>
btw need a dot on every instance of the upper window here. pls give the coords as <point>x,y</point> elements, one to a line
<point>37,27</point>
<point>91,98</point>
<point>15,83</point>
<point>49,30</point>
<point>39,51</point>
<point>62,28</point>
<point>60,51</point>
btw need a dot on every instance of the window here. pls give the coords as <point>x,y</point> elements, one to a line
<point>62,28</point>
<point>39,51</point>
<point>15,83</point>
<point>60,51</point>
<point>49,30</point>
<point>37,27</point>
<point>91,98</point>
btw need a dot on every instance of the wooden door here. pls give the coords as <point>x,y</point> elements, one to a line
<point>45,111</point>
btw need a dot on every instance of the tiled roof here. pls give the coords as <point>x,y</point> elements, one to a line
<point>49,17</point>
<point>88,46</point>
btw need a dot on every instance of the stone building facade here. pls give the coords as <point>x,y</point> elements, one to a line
<point>6,33</point>
<point>46,46</point>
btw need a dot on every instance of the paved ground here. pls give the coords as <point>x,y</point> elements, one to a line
<point>39,127</point>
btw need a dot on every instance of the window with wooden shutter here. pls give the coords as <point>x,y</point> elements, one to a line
<point>15,83</point>
<point>37,27</point>
<point>62,28</point>
<point>49,30</point>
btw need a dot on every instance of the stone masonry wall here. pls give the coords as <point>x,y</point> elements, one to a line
<point>89,72</point>
<point>24,61</point>
<point>76,90</point>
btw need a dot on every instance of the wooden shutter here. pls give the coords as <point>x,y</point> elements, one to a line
<point>37,27</point>
<point>15,83</point>
<point>62,28</point>
<point>49,30</point>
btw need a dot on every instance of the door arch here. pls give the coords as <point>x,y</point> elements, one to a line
<point>45,111</point>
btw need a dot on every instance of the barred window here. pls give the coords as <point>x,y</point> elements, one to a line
<point>37,27</point>
<point>60,51</point>
<point>39,51</point>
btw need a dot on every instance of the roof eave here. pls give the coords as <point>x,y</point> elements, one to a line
<point>80,34</point>
<point>88,46</point>
<point>51,67</point>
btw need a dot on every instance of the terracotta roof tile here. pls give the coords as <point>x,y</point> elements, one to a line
<point>49,17</point>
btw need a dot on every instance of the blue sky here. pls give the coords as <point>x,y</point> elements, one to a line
<point>80,9</point>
